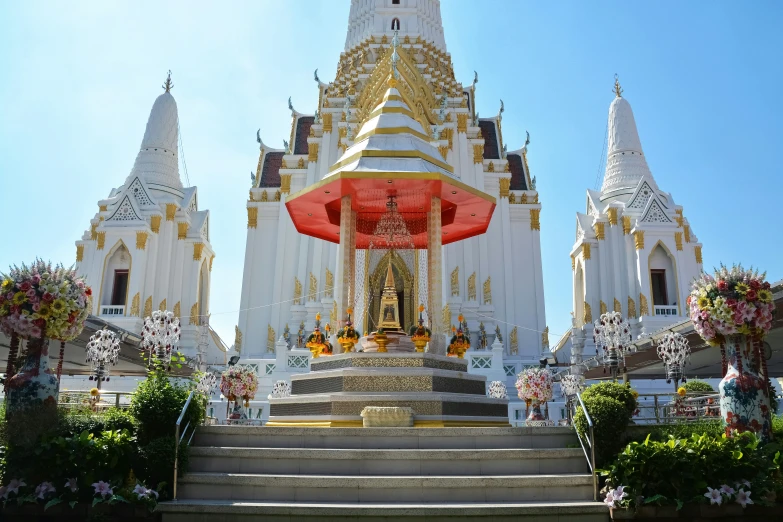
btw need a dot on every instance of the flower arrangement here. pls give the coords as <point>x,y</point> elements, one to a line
<point>239,382</point>
<point>317,342</point>
<point>419,330</point>
<point>348,334</point>
<point>43,300</point>
<point>535,384</point>
<point>731,302</point>
<point>497,390</point>
<point>727,493</point>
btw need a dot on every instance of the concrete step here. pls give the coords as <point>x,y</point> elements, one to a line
<point>230,511</point>
<point>386,438</point>
<point>352,489</point>
<point>314,461</point>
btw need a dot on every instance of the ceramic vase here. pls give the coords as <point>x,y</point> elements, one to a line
<point>744,405</point>
<point>535,412</point>
<point>35,384</point>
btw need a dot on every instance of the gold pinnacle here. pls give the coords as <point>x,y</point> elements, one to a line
<point>168,85</point>
<point>617,89</point>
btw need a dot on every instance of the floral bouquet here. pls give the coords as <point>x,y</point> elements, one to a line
<point>348,334</point>
<point>535,384</point>
<point>43,300</point>
<point>239,381</point>
<point>497,390</point>
<point>731,302</point>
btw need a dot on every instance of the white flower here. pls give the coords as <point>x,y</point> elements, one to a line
<point>743,498</point>
<point>726,489</point>
<point>714,496</point>
<point>72,484</point>
<point>619,494</point>
<point>14,485</point>
<point>609,500</point>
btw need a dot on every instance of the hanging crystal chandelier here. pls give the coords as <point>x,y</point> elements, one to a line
<point>570,385</point>
<point>674,351</point>
<point>103,350</point>
<point>612,333</point>
<point>207,384</point>
<point>391,231</point>
<point>160,336</point>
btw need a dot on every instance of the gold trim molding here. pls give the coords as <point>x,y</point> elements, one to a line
<point>586,251</point>
<point>626,225</point>
<point>638,239</point>
<point>182,230</point>
<point>252,217</point>
<point>101,240</point>
<point>198,249</point>
<point>79,253</point>
<point>535,214</point>
<point>141,240</point>
<point>505,186</point>
<point>599,231</point>
<point>612,214</point>
<point>678,240</point>
<point>155,223</point>
<point>697,253</point>
<point>171,211</point>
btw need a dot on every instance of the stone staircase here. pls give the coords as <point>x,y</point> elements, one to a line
<point>249,473</point>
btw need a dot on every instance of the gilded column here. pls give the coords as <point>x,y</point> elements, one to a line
<point>435,277</point>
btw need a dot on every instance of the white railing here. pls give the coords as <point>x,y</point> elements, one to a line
<point>665,310</point>
<point>112,310</point>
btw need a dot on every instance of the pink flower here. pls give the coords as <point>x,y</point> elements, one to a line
<point>25,286</point>
<point>102,488</point>
<point>609,500</point>
<point>43,489</point>
<point>743,498</point>
<point>714,496</point>
<point>36,279</point>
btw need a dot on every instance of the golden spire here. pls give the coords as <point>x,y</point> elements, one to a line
<point>389,277</point>
<point>617,89</point>
<point>167,85</point>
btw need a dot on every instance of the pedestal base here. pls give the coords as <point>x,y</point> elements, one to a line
<point>437,389</point>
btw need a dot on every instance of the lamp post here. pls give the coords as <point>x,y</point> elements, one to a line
<point>102,352</point>
<point>613,334</point>
<point>674,351</point>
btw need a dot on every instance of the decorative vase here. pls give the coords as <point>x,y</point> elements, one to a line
<point>347,344</point>
<point>34,385</point>
<point>381,340</point>
<point>743,402</point>
<point>420,343</point>
<point>535,412</point>
<point>315,349</point>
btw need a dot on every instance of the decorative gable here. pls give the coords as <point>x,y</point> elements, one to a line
<point>140,193</point>
<point>205,229</point>
<point>580,233</point>
<point>643,195</point>
<point>125,211</point>
<point>655,214</point>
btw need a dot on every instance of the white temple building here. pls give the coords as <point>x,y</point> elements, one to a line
<point>494,280</point>
<point>148,246</point>
<point>635,252</point>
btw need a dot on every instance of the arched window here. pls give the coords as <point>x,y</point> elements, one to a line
<point>395,2</point>
<point>396,24</point>
<point>663,282</point>
<point>115,281</point>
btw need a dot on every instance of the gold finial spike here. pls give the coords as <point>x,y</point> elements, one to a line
<point>618,91</point>
<point>167,86</point>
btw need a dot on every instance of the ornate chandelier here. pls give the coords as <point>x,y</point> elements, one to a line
<point>674,351</point>
<point>391,231</point>
<point>570,385</point>
<point>103,350</point>
<point>612,333</point>
<point>160,335</point>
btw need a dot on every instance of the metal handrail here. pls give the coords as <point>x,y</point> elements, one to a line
<point>178,439</point>
<point>591,443</point>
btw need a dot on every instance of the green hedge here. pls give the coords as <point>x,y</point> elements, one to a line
<point>698,386</point>
<point>678,471</point>
<point>619,392</point>
<point>610,418</point>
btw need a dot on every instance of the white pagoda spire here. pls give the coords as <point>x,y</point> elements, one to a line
<point>625,161</point>
<point>413,18</point>
<point>158,161</point>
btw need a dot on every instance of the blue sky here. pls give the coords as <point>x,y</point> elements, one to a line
<point>704,79</point>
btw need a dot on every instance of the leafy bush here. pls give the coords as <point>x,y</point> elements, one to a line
<point>685,430</point>
<point>616,391</point>
<point>157,463</point>
<point>610,418</point>
<point>777,427</point>
<point>678,471</point>
<point>698,386</point>
<point>157,404</point>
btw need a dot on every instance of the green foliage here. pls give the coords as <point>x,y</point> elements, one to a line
<point>610,418</point>
<point>157,462</point>
<point>773,400</point>
<point>157,404</point>
<point>678,471</point>
<point>698,386</point>
<point>777,427</point>
<point>618,392</point>
<point>685,430</point>
<point>75,421</point>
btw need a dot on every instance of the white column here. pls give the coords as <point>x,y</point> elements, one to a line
<point>344,256</point>
<point>435,277</point>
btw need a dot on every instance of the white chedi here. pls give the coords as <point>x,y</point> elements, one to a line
<point>497,390</point>
<point>280,389</point>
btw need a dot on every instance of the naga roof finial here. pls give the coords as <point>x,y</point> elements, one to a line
<point>618,91</point>
<point>167,85</point>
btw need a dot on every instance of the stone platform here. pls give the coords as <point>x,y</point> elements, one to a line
<point>438,389</point>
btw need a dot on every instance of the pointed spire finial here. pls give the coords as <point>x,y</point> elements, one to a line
<point>618,91</point>
<point>167,85</point>
<point>395,57</point>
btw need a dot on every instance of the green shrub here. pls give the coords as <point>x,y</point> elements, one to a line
<point>610,418</point>
<point>616,391</point>
<point>74,421</point>
<point>698,386</point>
<point>685,430</point>
<point>157,463</point>
<point>678,471</point>
<point>777,427</point>
<point>156,405</point>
